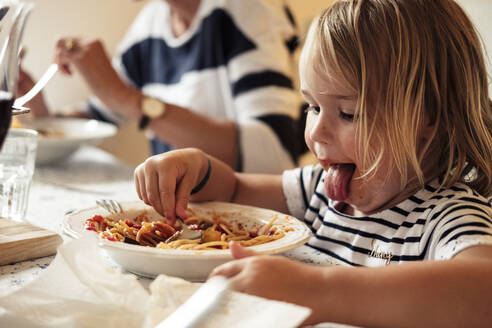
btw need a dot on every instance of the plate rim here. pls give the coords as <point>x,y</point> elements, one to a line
<point>108,129</point>
<point>304,234</point>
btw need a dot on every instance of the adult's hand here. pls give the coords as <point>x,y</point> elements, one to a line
<point>88,57</point>
<point>36,104</point>
<point>90,60</point>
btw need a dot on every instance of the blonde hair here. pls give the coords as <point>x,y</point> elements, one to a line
<point>412,63</point>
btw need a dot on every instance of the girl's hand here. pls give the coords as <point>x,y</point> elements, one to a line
<point>274,277</point>
<point>165,181</point>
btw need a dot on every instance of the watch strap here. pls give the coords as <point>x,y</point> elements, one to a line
<point>144,121</point>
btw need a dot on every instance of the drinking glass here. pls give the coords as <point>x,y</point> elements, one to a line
<point>13,17</point>
<point>17,160</point>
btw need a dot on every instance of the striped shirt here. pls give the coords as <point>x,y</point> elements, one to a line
<point>235,62</point>
<point>426,226</point>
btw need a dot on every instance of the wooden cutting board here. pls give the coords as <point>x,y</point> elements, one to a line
<point>22,241</point>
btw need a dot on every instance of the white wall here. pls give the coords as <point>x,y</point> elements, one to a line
<point>106,19</point>
<point>109,19</point>
<point>51,19</point>
<point>481,13</point>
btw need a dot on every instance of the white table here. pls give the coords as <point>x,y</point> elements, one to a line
<point>90,174</point>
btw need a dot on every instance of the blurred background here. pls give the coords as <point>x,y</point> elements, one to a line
<point>109,20</point>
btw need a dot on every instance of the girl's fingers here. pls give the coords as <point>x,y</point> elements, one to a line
<point>141,186</point>
<point>228,270</point>
<point>168,206</point>
<point>183,191</point>
<point>239,252</point>
<point>152,189</point>
<point>136,178</point>
<point>167,194</point>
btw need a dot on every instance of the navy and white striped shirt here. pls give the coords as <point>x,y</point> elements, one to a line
<point>426,226</point>
<point>235,62</point>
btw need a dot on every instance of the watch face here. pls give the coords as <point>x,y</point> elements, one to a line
<point>152,107</point>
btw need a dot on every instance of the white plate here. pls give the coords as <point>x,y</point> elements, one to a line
<point>75,132</point>
<point>188,264</point>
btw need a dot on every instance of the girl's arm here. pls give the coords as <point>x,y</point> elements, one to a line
<point>452,293</point>
<point>262,190</point>
<point>165,182</point>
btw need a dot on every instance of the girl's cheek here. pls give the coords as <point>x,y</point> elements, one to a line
<point>307,137</point>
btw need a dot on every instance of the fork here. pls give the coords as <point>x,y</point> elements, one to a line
<point>110,205</point>
<point>20,110</point>
<point>19,102</point>
<point>184,233</point>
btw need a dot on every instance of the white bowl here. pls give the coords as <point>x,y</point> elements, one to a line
<point>74,132</point>
<point>192,265</point>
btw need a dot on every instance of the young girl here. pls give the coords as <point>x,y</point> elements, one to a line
<point>401,124</point>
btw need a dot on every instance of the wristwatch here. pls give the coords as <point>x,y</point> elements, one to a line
<point>151,108</point>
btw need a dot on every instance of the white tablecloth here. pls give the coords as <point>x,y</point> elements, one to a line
<point>76,183</point>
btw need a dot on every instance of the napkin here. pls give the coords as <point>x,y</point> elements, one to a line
<point>236,309</point>
<point>80,289</point>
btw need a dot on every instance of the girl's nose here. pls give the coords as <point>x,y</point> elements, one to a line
<point>319,128</point>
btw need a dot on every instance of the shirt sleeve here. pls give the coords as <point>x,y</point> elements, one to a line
<point>266,100</point>
<point>299,186</point>
<point>461,223</point>
<point>140,30</point>
<point>137,31</point>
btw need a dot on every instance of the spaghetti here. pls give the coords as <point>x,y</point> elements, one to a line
<point>216,233</point>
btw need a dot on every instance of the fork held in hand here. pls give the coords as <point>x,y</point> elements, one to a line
<point>110,205</point>
<point>19,102</point>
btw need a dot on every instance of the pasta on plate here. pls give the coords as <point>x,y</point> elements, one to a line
<point>42,132</point>
<point>216,232</point>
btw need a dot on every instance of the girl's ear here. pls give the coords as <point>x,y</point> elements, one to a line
<point>428,127</point>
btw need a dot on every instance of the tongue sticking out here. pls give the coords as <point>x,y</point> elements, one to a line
<point>337,181</point>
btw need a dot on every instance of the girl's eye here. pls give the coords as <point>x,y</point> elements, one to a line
<point>312,108</point>
<point>346,116</point>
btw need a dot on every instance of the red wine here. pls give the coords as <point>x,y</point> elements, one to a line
<point>6,102</point>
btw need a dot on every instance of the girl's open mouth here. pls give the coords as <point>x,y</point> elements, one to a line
<point>337,180</point>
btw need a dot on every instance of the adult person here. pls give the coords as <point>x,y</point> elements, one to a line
<point>212,74</point>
